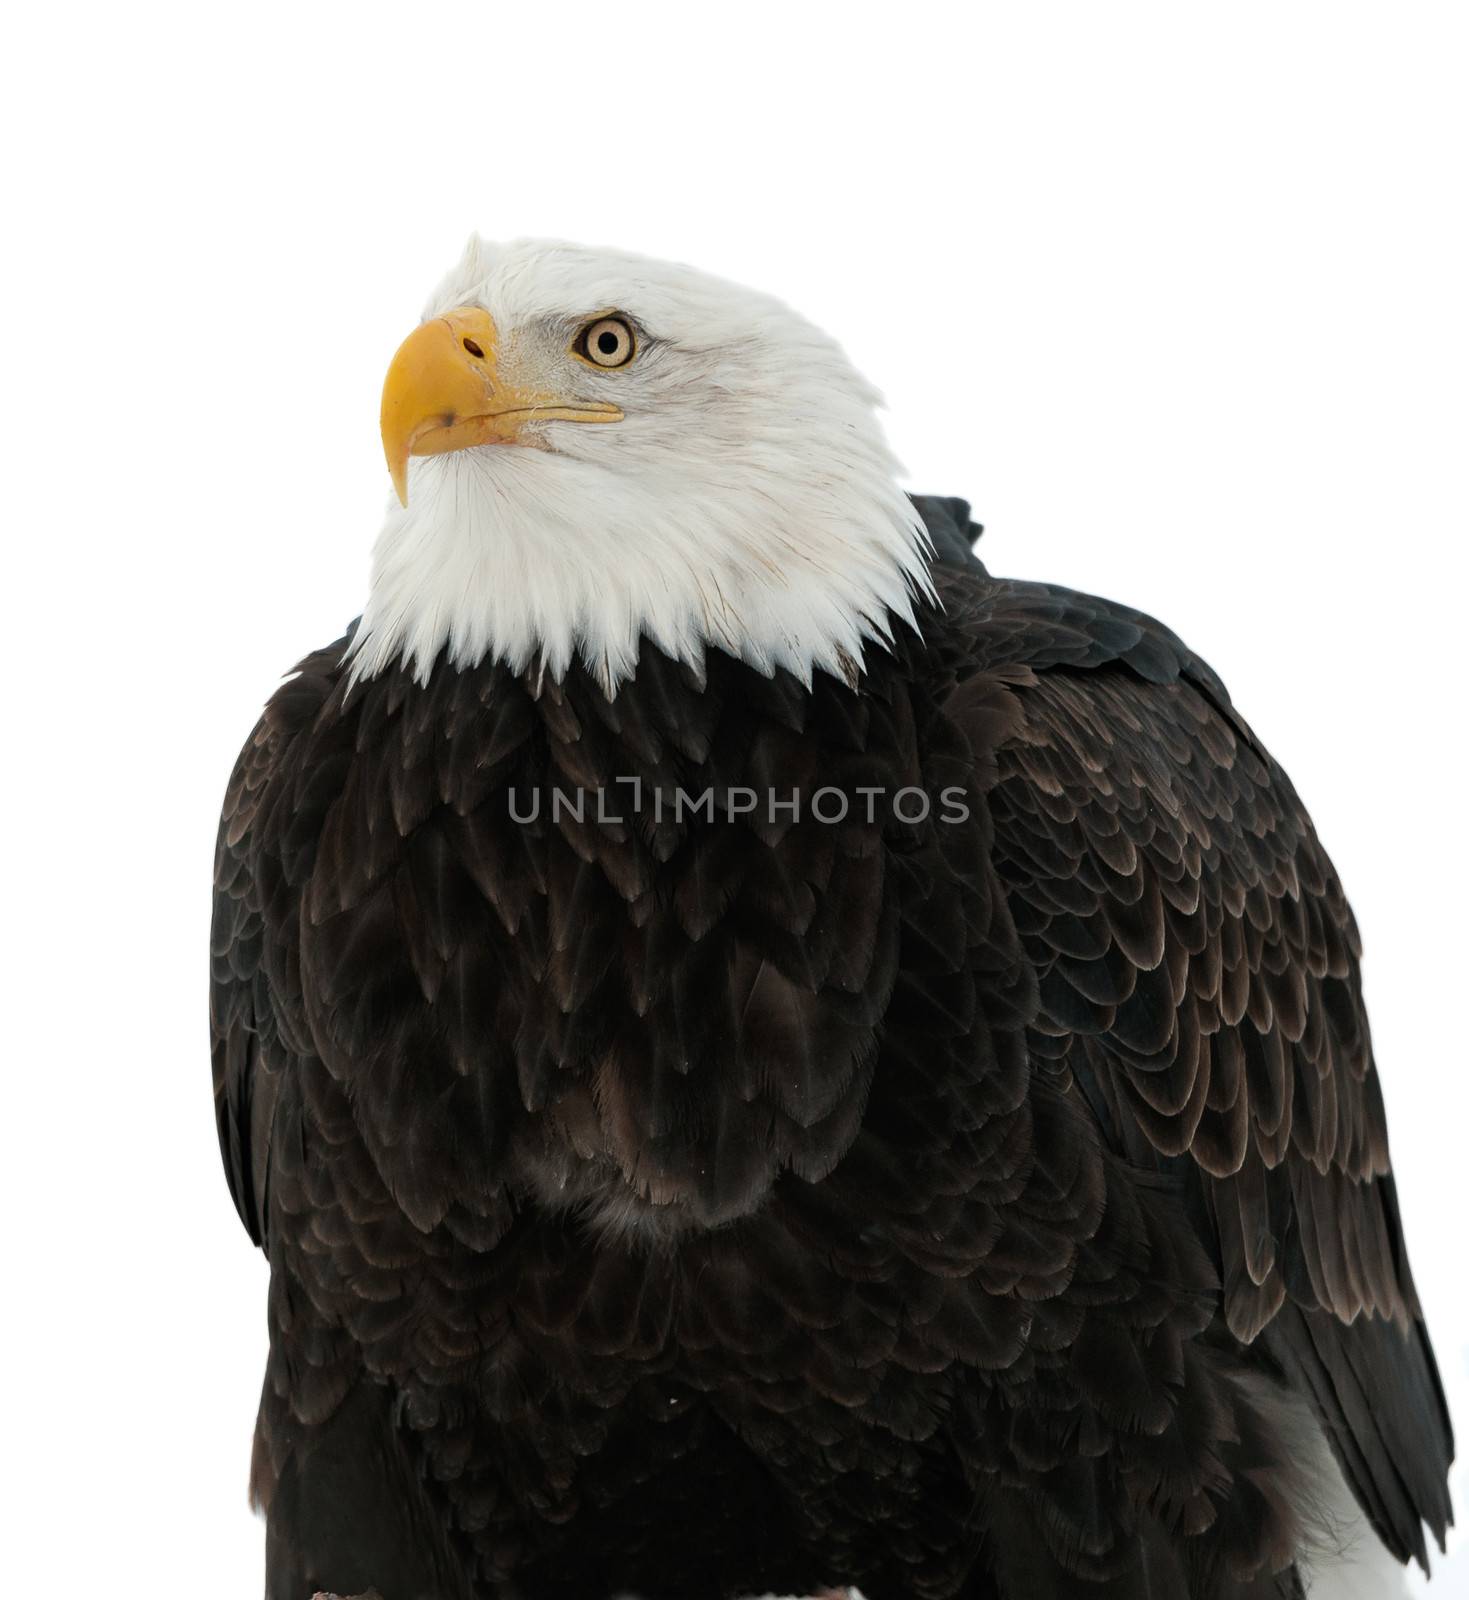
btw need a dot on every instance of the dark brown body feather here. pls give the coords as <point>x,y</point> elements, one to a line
<point>716,1204</point>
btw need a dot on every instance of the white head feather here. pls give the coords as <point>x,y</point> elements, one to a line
<point>747,500</point>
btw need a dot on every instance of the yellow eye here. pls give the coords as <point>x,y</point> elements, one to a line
<point>607,342</point>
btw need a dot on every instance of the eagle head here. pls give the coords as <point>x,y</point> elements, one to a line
<point>590,448</point>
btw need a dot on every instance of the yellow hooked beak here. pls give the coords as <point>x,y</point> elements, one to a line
<point>442,393</point>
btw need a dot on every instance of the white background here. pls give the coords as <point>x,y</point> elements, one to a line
<point>1175,294</point>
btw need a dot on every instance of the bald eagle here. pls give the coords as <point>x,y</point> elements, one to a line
<point>763,1057</point>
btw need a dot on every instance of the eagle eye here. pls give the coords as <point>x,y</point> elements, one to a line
<point>607,342</point>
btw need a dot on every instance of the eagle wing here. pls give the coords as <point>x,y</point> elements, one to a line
<point>1199,984</point>
<point>253,978</point>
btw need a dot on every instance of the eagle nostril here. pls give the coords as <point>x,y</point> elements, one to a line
<point>474,349</point>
